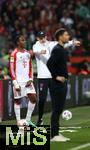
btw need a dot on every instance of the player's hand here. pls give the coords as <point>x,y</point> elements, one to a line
<point>77,43</point>
<point>61,79</point>
<point>43,52</point>
<point>18,89</point>
<point>16,86</point>
<point>31,53</point>
<point>29,83</point>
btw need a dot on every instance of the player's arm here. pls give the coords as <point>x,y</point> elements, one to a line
<point>12,72</point>
<point>31,53</point>
<point>30,73</point>
<point>72,43</point>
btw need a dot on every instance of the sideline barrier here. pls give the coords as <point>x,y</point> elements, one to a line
<point>77,86</point>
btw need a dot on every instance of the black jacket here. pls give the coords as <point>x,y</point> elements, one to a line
<point>57,63</point>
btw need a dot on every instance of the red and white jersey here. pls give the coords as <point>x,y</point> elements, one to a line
<point>20,65</point>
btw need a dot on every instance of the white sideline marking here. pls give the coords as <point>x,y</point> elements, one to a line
<point>81,146</point>
<point>61,131</point>
<point>70,127</point>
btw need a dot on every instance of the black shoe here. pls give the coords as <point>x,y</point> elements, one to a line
<point>39,122</point>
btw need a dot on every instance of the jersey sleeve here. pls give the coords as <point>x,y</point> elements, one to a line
<point>12,65</point>
<point>30,69</point>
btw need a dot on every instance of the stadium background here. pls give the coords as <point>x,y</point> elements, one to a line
<point>27,17</point>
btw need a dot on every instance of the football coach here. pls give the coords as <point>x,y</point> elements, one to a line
<point>57,64</point>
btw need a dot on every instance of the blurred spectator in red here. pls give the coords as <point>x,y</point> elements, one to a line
<point>83,68</point>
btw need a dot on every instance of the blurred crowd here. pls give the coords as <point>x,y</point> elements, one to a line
<point>27,17</point>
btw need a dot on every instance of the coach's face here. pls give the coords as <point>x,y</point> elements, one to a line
<point>42,39</point>
<point>65,37</point>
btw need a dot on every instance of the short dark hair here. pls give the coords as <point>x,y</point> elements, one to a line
<point>59,32</point>
<point>17,38</point>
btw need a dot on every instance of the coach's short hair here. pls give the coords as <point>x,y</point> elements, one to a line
<point>59,32</point>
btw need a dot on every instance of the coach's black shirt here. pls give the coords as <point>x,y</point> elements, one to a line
<point>57,63</point>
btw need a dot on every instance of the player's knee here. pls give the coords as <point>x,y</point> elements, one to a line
<point>17,101</point>
<point>32,98</point>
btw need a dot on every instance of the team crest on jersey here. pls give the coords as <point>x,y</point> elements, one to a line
<point>12,59</point>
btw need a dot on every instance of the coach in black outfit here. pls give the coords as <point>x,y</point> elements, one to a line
<point>57,65</point>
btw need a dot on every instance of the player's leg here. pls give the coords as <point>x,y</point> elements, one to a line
<point>18,94</point>
<point>43,88</point>
<point>31,94</point>
<point>31,105</point>
<point>17,103</point>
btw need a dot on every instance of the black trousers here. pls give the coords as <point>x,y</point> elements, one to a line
<point>43,85</point>
<point>58,96</point>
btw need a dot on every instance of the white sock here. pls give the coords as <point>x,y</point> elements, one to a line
<point>17,111</point>
<point>30,110</point>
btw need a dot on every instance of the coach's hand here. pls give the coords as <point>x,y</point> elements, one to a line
<point>77,43</point>
<point>29,82</point>
<point>43,52</point>
<point>61,79</point>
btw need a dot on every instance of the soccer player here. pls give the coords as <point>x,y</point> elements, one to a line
<point>42,50</point>
<point>57,64</point>
<point>22,78</point>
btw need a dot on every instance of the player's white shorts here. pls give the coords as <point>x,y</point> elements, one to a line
<point>24,90</point>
